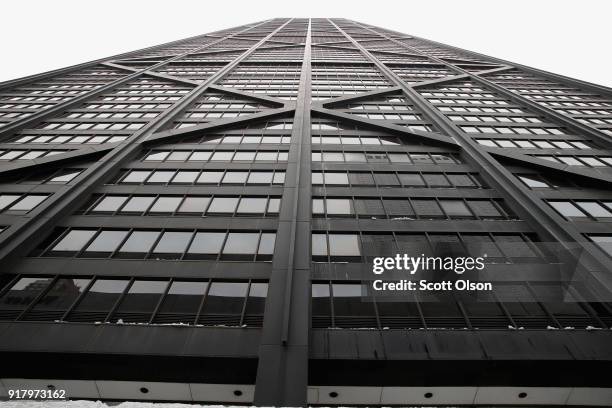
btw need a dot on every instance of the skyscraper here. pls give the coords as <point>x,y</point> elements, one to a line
<point>194,221</point>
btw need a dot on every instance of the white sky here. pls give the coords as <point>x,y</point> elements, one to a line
<point>566,37</point>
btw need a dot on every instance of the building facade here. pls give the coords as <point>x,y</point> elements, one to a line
<point>193,221</point>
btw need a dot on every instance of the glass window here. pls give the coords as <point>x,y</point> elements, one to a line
<point>566,209</point>
<point>223,205</point>
<point>344,245</point>
<point>339,206</point>
<point>222,156</point>
<point>7,199</point>
<point>455,208</point>
<point>533,182</point>
<point>256,301</point>
<point>266,246</point>
<point>319,245</point>
<point>604,242</point>
<point>241,244</point>
<point>411,179</point>
<point>252,205</point>
<point>110,204</point>
<point>225,298</point>
<point>136,176</point>
<point>185,177</point>
<point>61,296</point>
<point>161,177</point>
<point>21,294</point>
<point>166,205</point>
<point>336,178</point>
<point>321,305</point>
<point>200,156</point>
<point>28,202</point>
<point>140,301</point>
<point>178,156</point>
<point>138,244</point>
<point>138,204</point>
<point>64,176</point>
<point>99,299</point>
<point>173,242</point>
<point>210,177</point>
<point>235,177</point>
<point>194,205</point>
<point>74,241</point>
<point>594,209</point>
<point>105,243</point>
<point>183,297</point>
<point>206,245</point>
<point>259,177</point>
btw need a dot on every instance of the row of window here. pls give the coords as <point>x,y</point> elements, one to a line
<point>159,244</point>
<point>89,139</point>
<point>583,209</point>
<point>359,140</point>
<point>237,139</point>
<point>27,154</point>
<point>215,155</point>
<point>121,115</point>
<point>91,126</point>
<point>20,203</point>
<point>475,109</point>
<point>129,300</point>
<point>337,304</point>
<point>513,130</point>
<point>59,176</point>
<point>591,161</point>
<point>397,179</point>
<point>411,208</point>
<point>363,247</point>
<point>182,205</point>
<point>534,144</point>
<point>383,157</point>
<point>503,119</point>
<point>213,177</point>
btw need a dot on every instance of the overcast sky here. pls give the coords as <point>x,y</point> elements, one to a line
<point>566,37</point>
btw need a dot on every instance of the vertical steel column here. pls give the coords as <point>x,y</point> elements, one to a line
<point>282,373</point>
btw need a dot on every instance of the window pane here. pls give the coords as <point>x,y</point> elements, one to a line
<point>241,243</point>
<point>22,294</point>
<point>28,202</point>
<point>186,177</point>
<point>101,297</point>
<point>106,241</point>
<point>195,205</point>
<point>210,177</point>
<point>141,298</point>
<point>166,204</point>
<point>136,176</point>
<point>266,244</point>
<point>140,242</point>
<point>319,245</point>
<point>235,177</point>
<point>110,204</point>
<point>252,205</point>
<point>74,240</point>
<point>339,206</point>
<point>344,245</point>
<point>207,243</point>
<point>455,208</point>
<point>566,209</point>
<point>138,204</point>
<point>594,209</point>
<point>161,177</point>
<point>173,242</point>
<point>260,177</point>
<point>223,205</point>
<point>183,297</point>
<point>62,295</point>
<point>7,199</point>
<point>225,298</point>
